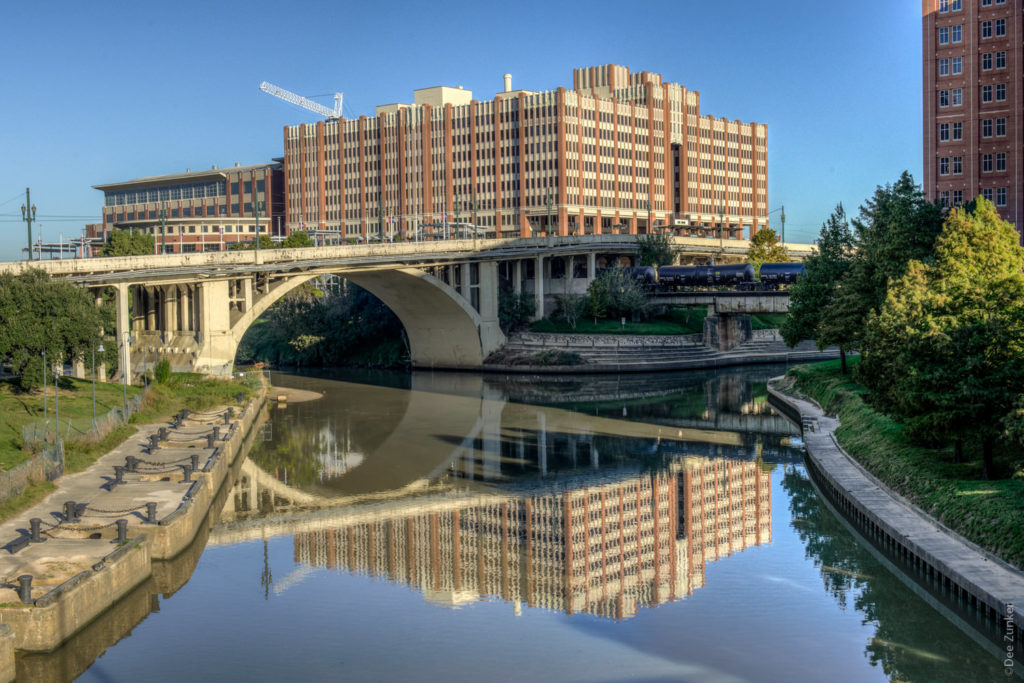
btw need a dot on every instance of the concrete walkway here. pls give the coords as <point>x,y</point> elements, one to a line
<point>970,569</point>
<point>73,546</point>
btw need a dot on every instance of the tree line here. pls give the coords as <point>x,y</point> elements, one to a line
<point>933,300</point>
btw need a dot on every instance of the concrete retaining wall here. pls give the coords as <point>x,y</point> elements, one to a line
<point>974,578</point>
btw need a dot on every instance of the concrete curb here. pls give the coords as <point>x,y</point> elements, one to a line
<point>974,577</point>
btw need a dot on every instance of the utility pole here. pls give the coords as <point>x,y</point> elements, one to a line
<point>650,227</point>
<point>721,229</point>
<point>472,206</point>
<point>782,217</point>
<point>28,214</point>
<point>547,228</point>
<point>163,227</point>
<point>457,213</point>
<point>380,221</point>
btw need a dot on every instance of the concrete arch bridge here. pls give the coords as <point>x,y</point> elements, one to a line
<point>194,308</point>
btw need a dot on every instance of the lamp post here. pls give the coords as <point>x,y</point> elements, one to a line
<point>95,427</point>
<point>457,214</point>
<point>721,228</point>
<point>257,209</point>
<point>472,206</point>
<point>650,227</point>
<point>547,227</point>
<point>125,340</point>
<point>163,227</point>
<point>56,401</point>
<point>44,386</point>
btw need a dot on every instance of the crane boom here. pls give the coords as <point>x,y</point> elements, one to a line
<point>303,102</point>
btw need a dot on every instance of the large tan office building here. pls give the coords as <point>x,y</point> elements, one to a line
<point>972,103</point>
<point>619,151</point>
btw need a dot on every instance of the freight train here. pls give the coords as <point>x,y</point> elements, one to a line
<point>773,276</point>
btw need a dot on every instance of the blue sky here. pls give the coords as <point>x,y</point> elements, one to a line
<point>101,92</point>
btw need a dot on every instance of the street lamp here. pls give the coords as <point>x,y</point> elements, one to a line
<point>125,346</point>
<point>782,218</point>
<point>163,228</point>
<point>44,386</point>
<point>257,209</point>
<point>95,426</point>
<point>547,228</point>
<point>721,228</point>
<point>56,400</point>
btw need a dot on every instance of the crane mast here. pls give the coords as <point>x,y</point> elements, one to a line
<point>303,102</point>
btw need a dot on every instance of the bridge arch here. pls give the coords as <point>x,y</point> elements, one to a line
<point>443,329</point>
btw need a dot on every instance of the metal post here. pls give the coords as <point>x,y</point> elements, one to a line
<point>34,530</point>
<point>721,228</point>
<point>25,588</point>
<point>56,403</point>
<point>45,411</point>
<point>783,218</point>
<point>122,530</point>
<point>151,513</point>
<point>257,209</point>
<point>28,214</point>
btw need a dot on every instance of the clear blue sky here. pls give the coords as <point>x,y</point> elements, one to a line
<point>101,92</point>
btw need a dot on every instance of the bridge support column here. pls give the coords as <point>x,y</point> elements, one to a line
<point>591,267</point>
<point>726,331</point>
<point>491,336</point>
<point>538,288</point>
<point>170,312</point>
<point>185,297</point>
<point>217,345</point>
<point>124,324</point>
<point>517,277</point>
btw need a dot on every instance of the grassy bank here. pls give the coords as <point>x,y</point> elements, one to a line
<point>988,513</point>
<point>678,320</point>
<point>18,408</point>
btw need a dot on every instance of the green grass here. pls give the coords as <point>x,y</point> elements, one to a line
<point>192,391</point>
<point>988,513</point>
<point>678,320</point>
<point>18,408</point>
<point>34,493</point>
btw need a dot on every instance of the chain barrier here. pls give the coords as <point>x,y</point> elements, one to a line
<point>101,511</point>
<point>77,529</point>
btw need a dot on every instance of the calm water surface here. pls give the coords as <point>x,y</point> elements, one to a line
<point>464,528</point>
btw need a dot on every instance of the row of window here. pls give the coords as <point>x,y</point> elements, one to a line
<point>1000,60</point>
<point>951,34</point>
<point>955,96</point>
<point>956,197</point>
<point>998,90</point>
<point>955,34</point>
<point>953,5</point>
<point>957,64</point>
<point>992,28</point>
<point>956,164</point>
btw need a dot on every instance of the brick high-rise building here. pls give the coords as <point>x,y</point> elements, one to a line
<point>619,151</point>
<point>972,103</point>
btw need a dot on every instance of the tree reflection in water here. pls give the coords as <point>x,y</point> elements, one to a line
<point>911,642</point>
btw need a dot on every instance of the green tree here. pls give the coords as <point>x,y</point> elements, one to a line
<point>895,226</point>
<point>765,247</point>
<point>626,296</point>
<point>943,355</point>
<point>654,249</point>
<point>128,243</point>
<point>514,310</point>
<point>598,299</point>
<point>815,293</point>
<point>297,239</point>
<point>265,243</point>
<point>39,314</point>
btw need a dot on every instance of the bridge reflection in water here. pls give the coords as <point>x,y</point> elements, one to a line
<point>462,494</point>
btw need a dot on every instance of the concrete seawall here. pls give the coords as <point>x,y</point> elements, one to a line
<point>54,612</point>
<point>950,565</point>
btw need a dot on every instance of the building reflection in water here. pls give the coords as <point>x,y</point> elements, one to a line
<point>605,549</point>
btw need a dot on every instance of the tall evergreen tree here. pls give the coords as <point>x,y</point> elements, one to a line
<point>813,294</point>
<point>943,354</point>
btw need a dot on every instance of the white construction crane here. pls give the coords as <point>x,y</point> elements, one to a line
<point>288,96</point>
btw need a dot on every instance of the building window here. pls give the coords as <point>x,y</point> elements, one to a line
<point>986,163</point>
<point>1001,60</point>
<point>1000,196</point>
<point>944,198</point>
<point>958,165</point>
<point>986,61</point>
<point>986,29</point>
<point>1000,92</point>
<point>986,3</point>
<point>986,128</point>
<point>958,130</point>
<point>943,132</point>
<point>956,34</point>
<point>943,165</point>
<point>943,6</point>
<point>1000,27</point>
<point>958,197</point>
<point>943,67</point>
<point>955,5</point>
<point>986,192</point>
<point>943,98</point>
<point>1000,128</point>
<point>958,65</point>
<point>986,93</point>
<point>1000,161</point>
<point>943,35</point>
<point>957,96</point>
